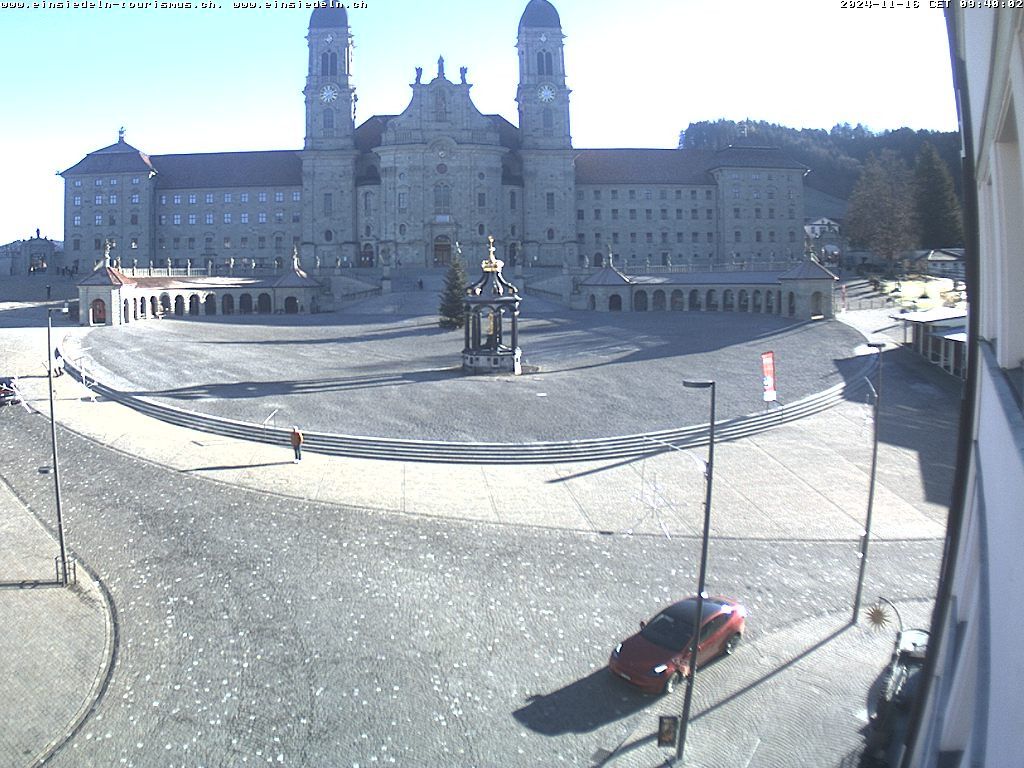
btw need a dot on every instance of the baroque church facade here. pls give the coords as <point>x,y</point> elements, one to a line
<point>416,188</point>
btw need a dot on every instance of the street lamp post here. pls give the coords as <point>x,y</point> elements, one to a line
<point>708,482</point>
<point>53,442</point>
<point>878,347</point>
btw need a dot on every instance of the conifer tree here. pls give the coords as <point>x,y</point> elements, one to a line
<point>880,216</point>
<point>454,292</point>
<point>938,210</point>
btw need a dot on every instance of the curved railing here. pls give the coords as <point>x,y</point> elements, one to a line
<point>593,449</point>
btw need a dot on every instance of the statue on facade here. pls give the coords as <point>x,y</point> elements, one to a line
<point>440,66</point>
<point>462,74</point>
<point>419,74</point>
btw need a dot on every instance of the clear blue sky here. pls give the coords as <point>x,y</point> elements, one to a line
<point>219,80</point>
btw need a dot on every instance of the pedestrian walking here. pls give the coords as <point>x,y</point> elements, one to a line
<point>58,362</point>
<point>297,444</point>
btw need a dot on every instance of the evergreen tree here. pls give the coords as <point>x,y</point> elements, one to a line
<point>454,292</point>
<point>880,215</point>
<point>936,205</point>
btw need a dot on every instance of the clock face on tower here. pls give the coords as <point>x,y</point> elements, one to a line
<point>328,94</point>
<point>546,94</point>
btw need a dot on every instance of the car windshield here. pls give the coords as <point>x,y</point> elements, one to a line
<point>673,627</point>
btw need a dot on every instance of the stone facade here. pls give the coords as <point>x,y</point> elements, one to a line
<point>410,189</point>
<point>36,254</point>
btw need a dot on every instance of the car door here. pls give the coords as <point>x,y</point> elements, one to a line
<point>711,638</point>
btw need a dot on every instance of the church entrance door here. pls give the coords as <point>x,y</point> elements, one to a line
<point>442,251</point>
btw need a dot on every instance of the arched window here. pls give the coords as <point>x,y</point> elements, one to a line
<point>440,107</point>
<point>548,63</point>
<point>551,234</point>
<point>544,63</point>
<point>334,64</point>
<point>328,235</point>
<point>325,59</point>
<point>442,198</point>
<point>328,122</point>
<point>368,203</point>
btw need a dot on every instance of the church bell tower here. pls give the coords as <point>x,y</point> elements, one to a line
<point>330,95</point>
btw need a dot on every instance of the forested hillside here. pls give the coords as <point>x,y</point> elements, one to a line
<point>835,157</point>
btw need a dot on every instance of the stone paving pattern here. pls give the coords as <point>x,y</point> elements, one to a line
<point>384,368</point>
<point>342,612</point>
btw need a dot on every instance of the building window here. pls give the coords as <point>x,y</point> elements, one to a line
<point>99,182</point>
<point>192,199</point>
<point>664,237</point>
<point>693,213</point>
<point>368,203</point>
<point>632,194</point>
<point>227,242</point>
<point>261,217</point>
<point>547,122</point>
<point>191,218</point>
<point>244,218</point>
<point>649,214</point>
<point>711,237</point>
<point>176,199</point>
<point>76,244</point>
<point>579,214</point>
<point>77,220</point>
<point>649,237</point>
<point>227,218</point>
<point>632,214</point>
<point>442,199</point>
<point>227,197</point>
<point>735,213</point>
<point>615,214</point>
<point>328,206</point>
<point>679,237</point>
<point>78,182</point>
<point>403,201</point>
<point>176,243</point>
<point>615,194</point>
<point>597,214</point>
<point>479,229</point>
<point>161,219</point>
<point>209,218</point>
<point>191,243</point>
<point>296,197</point>
<point>328,121</point>
<point>512,200</point>
<point>401,230</point>
<point>135,179</point>
<point>135,198</point>
<point>98,221</point>
<point>757,213</point>
<point>296,217</point>
<point>175,219</point>
<point>279,217</point>
<point>632,237</point>
<point>98,244</point>
<point>279,197</point>
<point>261,241</point>
<point>771,213</point>
<point>245,242</point>
<point>77,200</point>
<point>262,197</point>
<point>757,236</point>
<point>550,198</point>
<point>98,200</point>
<point>709,214</point>
<point>736,236</point>
<point>481,199</point>
<point>694,237</point>
<point>209,198</point>
<point>551,234</point>
<point>278,242</point>
<point>243,197</point>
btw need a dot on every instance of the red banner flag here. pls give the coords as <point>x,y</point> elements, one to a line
<point>768,371</point>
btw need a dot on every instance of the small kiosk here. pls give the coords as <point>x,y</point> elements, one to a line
<point>488,302</point>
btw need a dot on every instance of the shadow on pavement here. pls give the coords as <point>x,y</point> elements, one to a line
<point>583,706</point>
<point>238,466</point>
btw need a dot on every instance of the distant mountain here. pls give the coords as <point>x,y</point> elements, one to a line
<point>835,157</point>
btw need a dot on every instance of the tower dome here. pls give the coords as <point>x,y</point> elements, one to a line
<point>328,17</point>
<point>540,13</point>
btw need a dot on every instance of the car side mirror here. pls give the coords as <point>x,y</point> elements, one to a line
<point>643,624</point>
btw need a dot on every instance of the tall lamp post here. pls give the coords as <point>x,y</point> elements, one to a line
<point>53,442</point>
<point>708,478</point>
<point>878,347</point>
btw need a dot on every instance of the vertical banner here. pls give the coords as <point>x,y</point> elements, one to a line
<point>768,373</point>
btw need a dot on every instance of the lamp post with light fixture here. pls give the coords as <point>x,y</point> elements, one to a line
<point>878,347</point>
<point>708,478</point>
<point>53,443</point>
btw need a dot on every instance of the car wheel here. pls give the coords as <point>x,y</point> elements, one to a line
<point>730,645</point>
<point>672,682</point>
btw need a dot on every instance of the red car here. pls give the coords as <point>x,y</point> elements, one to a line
<point>657,657</point>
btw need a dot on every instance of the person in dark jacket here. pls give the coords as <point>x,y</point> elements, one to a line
<point>297,444</point>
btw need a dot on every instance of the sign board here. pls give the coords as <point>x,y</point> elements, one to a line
<point>668,730</point>
<point>768,374</point>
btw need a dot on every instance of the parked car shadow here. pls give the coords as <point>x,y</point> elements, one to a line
<point>583,706</point>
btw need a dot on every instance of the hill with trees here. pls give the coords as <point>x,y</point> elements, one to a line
<point>836,157</point>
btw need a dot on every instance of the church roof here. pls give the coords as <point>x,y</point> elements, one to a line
<point>749,156</point>
<point>281,168</point>
<point>121,157</point>
<point>334,17</point>
<point>540,13</point>
<point>647,166</point>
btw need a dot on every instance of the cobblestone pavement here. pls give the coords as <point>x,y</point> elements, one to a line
<point>262,626</point>
<point>370,372</point>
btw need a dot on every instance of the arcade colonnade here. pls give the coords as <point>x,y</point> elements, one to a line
<point>110,297</point>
